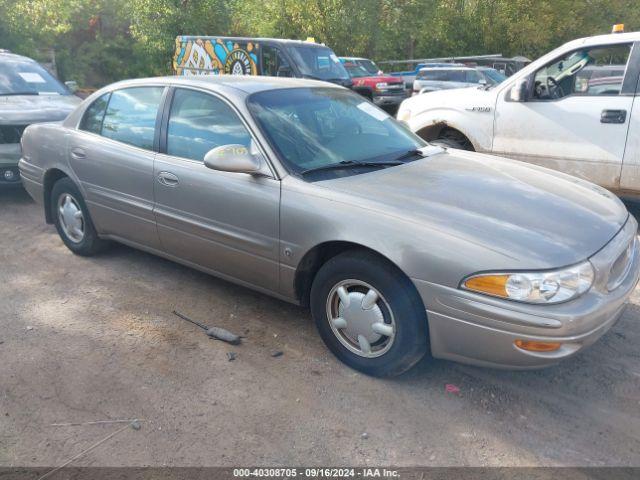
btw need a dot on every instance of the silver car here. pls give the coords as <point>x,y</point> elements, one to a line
<point>444,78</point>
<point>305,191</point>
<point>28,94</point>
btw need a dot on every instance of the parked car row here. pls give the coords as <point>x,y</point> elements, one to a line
<point>430,79</point>
<point>306,191</point>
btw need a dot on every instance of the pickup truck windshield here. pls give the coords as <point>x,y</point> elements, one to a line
<point>369,66</point>
<point>27,78</point>
<point>319,63</point>
<point>313,128</point>
<point>356,71</point>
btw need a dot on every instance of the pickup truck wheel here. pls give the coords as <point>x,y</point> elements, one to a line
<point>72,220</point>
<point>453,140</point>
<point>369,314</point>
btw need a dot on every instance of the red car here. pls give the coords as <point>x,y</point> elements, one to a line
<point>383,90</point>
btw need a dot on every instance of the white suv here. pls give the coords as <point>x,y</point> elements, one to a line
<point>571,110</point>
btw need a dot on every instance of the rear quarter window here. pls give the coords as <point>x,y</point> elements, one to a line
<point>94,115</point>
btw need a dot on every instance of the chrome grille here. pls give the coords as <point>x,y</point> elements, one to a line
<point>11,133</point>
<point>622,265</point>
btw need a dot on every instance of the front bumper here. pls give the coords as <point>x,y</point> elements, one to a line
<point>386,100</point>
<point>480,330</point>
<point>9,157</point>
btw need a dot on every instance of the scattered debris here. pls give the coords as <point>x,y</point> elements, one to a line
<point>277,353</point>
<point>29,328</point>
<point>136,425</point>
<point>364,436</point>
<point>451,388</point>
<point>213,332</point>
<point>87,450</point>
<point>231,356</point>
<point>98,422</point>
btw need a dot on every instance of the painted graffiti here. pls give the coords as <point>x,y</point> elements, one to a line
<point>214,56</point>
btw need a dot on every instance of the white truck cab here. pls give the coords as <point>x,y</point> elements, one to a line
<point>576,110</point>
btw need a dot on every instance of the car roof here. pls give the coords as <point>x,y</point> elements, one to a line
<point>286,41</point>
<point>6,57</point>
<point>440,69</point>
<point>604,39</point>
<point>247,84</point>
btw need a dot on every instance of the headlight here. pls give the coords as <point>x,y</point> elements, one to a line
<point>381,85</point>
<point>404,114</point>
<point>534,287</point>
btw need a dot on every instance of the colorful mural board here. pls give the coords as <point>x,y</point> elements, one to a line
<point>215,56</point>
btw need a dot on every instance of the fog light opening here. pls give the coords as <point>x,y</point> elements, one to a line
<point>534,346</point>
<point>9,175</point>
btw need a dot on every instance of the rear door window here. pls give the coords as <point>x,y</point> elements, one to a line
<point>131,116</point>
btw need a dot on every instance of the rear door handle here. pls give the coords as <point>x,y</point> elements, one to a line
<point>168,179</point>
<point>78,154</point>
<point>613,116</point>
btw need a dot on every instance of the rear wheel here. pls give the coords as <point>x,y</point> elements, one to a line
<point>369,314</point>
<point>72,220</point>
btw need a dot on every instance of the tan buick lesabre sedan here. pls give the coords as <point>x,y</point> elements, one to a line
<point>307,192</point>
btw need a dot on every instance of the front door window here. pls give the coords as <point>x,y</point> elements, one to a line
<point>589,72</point>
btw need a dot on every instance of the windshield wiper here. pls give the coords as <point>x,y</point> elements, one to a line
<point>409,154</point>
<point>18,93</point>
<point>350,164</point>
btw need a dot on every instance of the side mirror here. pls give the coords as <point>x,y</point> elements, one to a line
<point>233,158</point>
<point>518,92</point>
<point>72,85</point>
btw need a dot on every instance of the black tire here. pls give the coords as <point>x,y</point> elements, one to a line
<point>411,339</point>
<point>90,243</point>
<point>453,140</point>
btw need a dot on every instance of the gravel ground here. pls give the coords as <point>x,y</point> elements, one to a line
<point>95,339</point>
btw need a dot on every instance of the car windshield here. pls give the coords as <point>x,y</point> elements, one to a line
<point>28,78</point>
<point>369,66</point>
<point>356,71</point>
<point>493,75</point>
<point>319,63</point>
<point>313,128</point>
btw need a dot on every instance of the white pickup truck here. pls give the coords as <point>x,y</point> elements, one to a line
<point>576,109</point>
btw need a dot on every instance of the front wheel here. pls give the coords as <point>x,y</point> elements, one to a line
<point>72,220</point>
<point>369,314</point>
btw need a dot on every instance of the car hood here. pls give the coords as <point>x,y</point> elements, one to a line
<point>26,109</point>
<point>451,98</point>
<point>536,218</point>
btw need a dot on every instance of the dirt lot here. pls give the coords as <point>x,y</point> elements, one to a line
<point>95,339</point>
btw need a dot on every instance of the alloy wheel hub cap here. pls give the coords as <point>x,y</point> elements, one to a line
<point>360,318</point>
<point>71,218</point>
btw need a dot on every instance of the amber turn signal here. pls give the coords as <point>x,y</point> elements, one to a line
<point>534,346</point>
<point>491,284</point>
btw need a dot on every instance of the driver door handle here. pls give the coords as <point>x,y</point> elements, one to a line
<point>168,179</point>
<point>613,116</point>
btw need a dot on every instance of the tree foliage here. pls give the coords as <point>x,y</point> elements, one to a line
<point>100,41</point>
